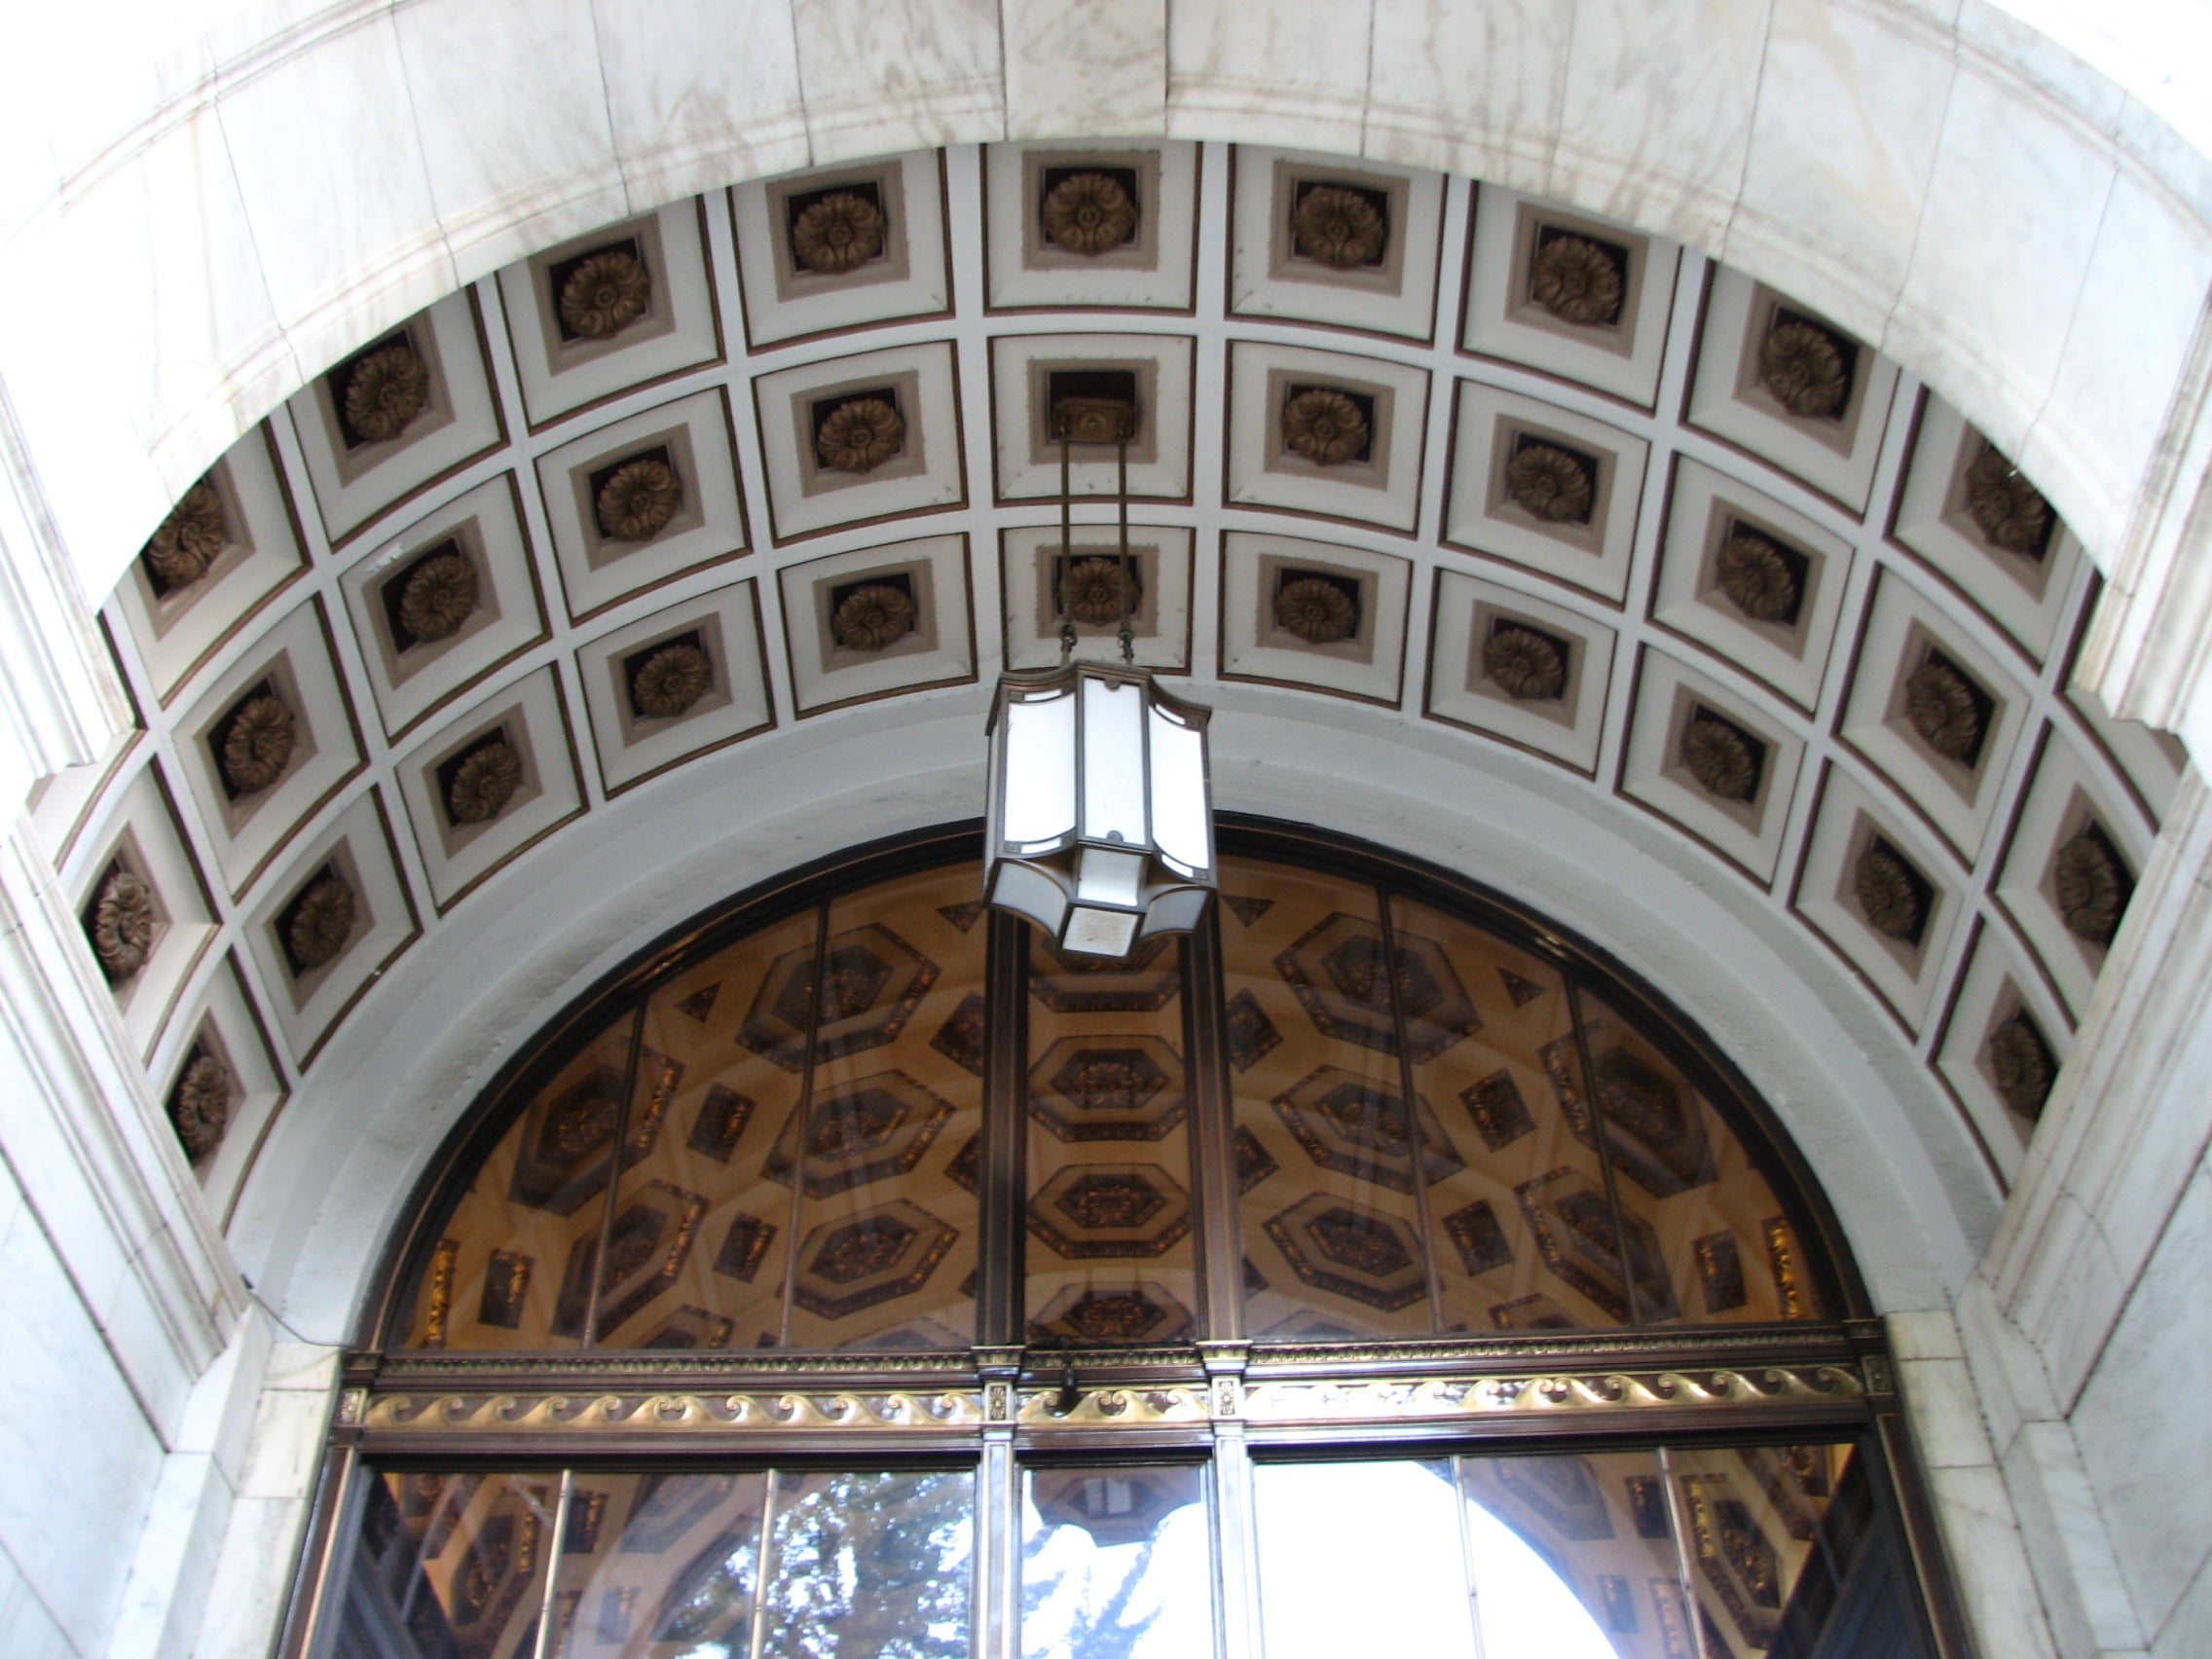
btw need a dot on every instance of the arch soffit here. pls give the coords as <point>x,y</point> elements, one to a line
<point>2006,220</point>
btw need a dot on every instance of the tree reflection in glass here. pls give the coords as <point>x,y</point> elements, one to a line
<point>1116,1564</point>
<point>869,1565</point>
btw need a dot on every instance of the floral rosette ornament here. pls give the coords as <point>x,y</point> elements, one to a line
<point>257,744</point>
<point>1337,227</point>
<point>1088,213</point>
<point>200,1108</point>
<point>1804,367</point>
<point>438,597</point>
<point>190,539</point>
<point>872,616</point>
<point>1316,610</point>
<point>483,784</point>
<point>1720,759</point>
<point>606,293</point>
<point>320,922</point>
<point>123,923</point>
<point>839,233</point>
<point>670,681</point>
<point>384,391</point>
<point>1550,484</point>
<point>860,436</point>
<point>1577,281</point>
<point>1323,426</point>
<point>637,501</point>
<point>1524,665</point>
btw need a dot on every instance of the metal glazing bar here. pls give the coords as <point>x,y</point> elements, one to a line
<point>763,1561</point>
<point>1000,1278</point>
<point>1213,1132</point>
<point>563,1495</point>
<point>796,1212</point>
<point>994,1629</point>
<point>613,1175</point>
<point>1604,1149</point>
<point>1421,1218</point>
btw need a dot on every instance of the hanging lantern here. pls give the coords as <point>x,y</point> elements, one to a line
<point>1102,815</point>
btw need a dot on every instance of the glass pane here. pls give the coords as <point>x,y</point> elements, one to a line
<point>1325,1143</point>
<point>659,1567</point>
<point>513,1268</point>
<point>1573,1557</point>
<point>884,1151</point>
<point>1360,1559</point>
<point>1762,1524</point>
<point>448,1565</point>
<point>1111,1251</point>
<point>1519,1207</point>
<point>703,1226</point>
<point>1709,1239</point>
<point>1116,1564</point>
<point>869,1565</point>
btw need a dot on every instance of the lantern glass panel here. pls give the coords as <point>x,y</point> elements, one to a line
<point>1039,780</point>
<point>1180,818</point>
<point>1113,761</point>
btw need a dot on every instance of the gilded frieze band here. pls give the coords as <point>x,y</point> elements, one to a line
<point>400,1417</point>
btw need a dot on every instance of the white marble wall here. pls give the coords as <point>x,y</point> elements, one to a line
<point>115,1299</point>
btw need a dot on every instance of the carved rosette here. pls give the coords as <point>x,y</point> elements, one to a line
<point>1753,575</point>
<point>190,539</point>
<point>1524,665</point>
<point>1804,366</point>
<point>1337,227</point>
<point>1323,426</point>
<point>1889,895</point>
<point>1095,591</point>
<point>670,681</point>
<point>320,922</point>
<point>200,1106</point>
<point>1942,706</point>
<point>438,597</point>
<point>606,293</point>
<point>860,435</point>
<point>1720,759</point>
<point>637,501</point>
<point>841,232</point>
<point>2011,513</point>
<point>872,616</point>
<point>483,784</point>
<point>1549,484</point>
<point>1088,213</point>
<point>258,746</point>
<point>2022,1064</point>
<point>1316,610</point>
<point>386,391</point>
<point>123,923</point>
<point>1577,281</point>
<point>2091,886</point>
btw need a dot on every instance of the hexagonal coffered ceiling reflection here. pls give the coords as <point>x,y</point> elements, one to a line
<point>1520,476</point>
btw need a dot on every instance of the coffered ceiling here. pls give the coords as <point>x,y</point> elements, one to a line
<point>778,457</point>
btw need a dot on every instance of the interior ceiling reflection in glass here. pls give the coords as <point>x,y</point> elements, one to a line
<point>1420,1114</point>
<point>1658,1552</point>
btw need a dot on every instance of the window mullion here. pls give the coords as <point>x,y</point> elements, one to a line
<point>1213,1143</point>
<point>1001,1288</point>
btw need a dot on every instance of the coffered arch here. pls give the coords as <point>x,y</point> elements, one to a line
<point>1623,581</point>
